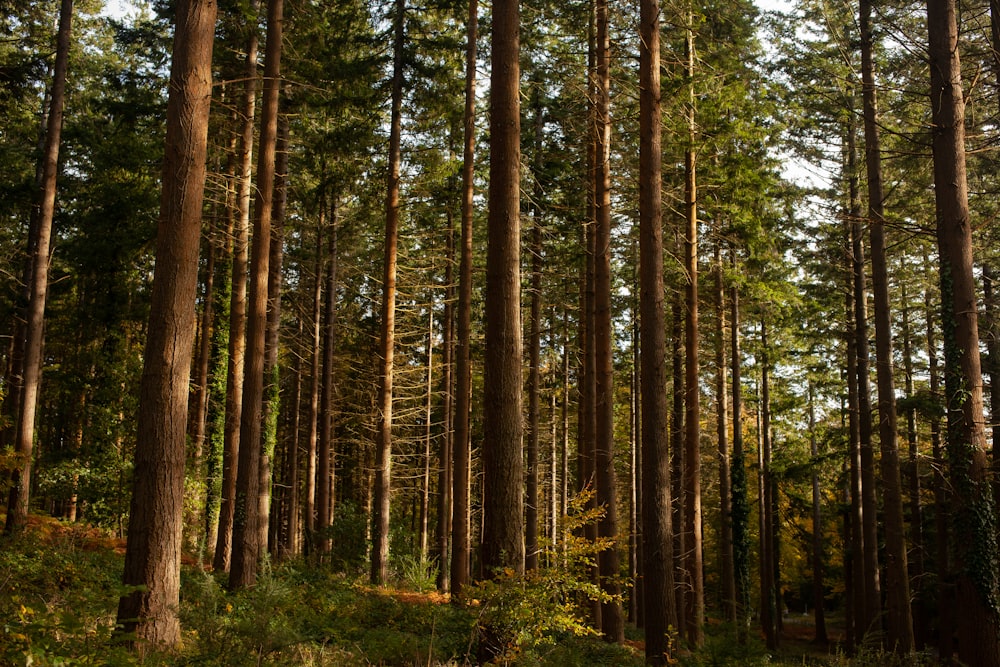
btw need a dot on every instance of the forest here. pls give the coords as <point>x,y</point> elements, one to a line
<point>377,332</point>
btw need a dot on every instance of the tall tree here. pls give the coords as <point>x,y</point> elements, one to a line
<point>153,550</point>
<point>695,605</point>
<point>387,335</point>
<point>238,302</point>
<point>722,434</point>
<point>899,621</point>
<point>974,544</point>
<point>658,589</point>
<point>248,512</point>
<point>39,248</point>
<point>460,540</point>
<point>503,522</point>
<point>612,620</point>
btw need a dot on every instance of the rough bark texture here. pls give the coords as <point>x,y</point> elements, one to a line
<point>38,283</point>
<point>153,551</point>
<point>247,511</point>
<point>974,544</point>
<point>660,610</point>
<point>503,518</point>
<point>387,343</point>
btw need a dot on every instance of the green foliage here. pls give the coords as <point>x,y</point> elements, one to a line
<point>522,612</point>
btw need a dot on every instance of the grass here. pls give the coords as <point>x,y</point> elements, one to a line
<point>60,584</point>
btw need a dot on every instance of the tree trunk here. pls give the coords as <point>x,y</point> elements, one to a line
<point>692,415</point>
<point>677,448</point>
<point>612,620</point>
<point>503,519</point>
<point>445,451</point>
<point>238,307</point>
<point>425,482</point>
<point>899,622</point>
<point>974,543</point>
<point>770,602</point>
<point>916,563</point>
<point>534,352</point>
<point>741,504</point>
<point>325,477</point>
<point>153,550</point>
<point>247,547</point>
<point>460,539</point>
<point>722,433</point>
<point>869,504</point>
<point>658,589</point>
<point>503,522</point>
<point>819,595</point>
<point>39,250</point>
<point>383,429</point>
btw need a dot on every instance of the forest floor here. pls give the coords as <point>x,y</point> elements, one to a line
<point>60,584</point>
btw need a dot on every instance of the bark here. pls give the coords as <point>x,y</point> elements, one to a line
<point>857,550</point>
<point>741,504</point>
<point>692,555</point>
<point>37,288</point>
<point>658,588</point>
<point>677,448</point>
<point>238,308</point>
<point>819,612</point>
<point>325,469</point>
<point>612,619</point>
<point>899,621</point>
<point>153,550</point>
<point>460,540</point>
<point>247,517</point>
<point>869,504</point>
<point>770,602</point>
<point>383,429</point>
<point>503,518</point>
<point>425,491</point>
<point>916,563</point>
<point>534,352</point>
<point>722,434</point>
<point>446,448</point>
<point>974,545</point>
<point>198,407</point>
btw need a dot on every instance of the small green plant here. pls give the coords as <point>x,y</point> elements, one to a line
<point>523,611</point>
<point>416,574</point>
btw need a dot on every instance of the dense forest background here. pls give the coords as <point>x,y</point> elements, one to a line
<point>811,438</point>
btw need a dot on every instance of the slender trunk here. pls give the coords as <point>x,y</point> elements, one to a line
<point>534,352</point>
<point>612,620</point>
<point>247,547</point>
<point>770,602</point>
<point>445,465</point>
<point>722,434</point>
<point>819,595</point>
<point>916,563</point>
<point>741,504</point>
<point>309,519</point>
<point>37,288</point>
<point>692,396</point>
<point>198,405</point>
<point>973,513</point>
<point>857,551</point>
<point>460,539</point>
<point>899,621</point>
<point>869,504</point>
<point>383,431</point>
<point>238,307</point>
<point>325,475</point>
<point>153,550</point>
<point>677,450</point>
<point>658,587</point>
<point>425,490</point>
